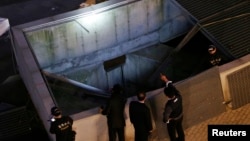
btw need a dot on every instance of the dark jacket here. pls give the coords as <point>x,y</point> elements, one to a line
<point>173,107</point>
<point>115,111</point>
<point>62,127</point>
<point>140,116</point>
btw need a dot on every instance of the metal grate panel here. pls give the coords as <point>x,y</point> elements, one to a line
<point>14,123</point>
<point>239,87</point>
<point>226,21</point>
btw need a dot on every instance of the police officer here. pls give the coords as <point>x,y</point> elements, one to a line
<point>215,58</point>
<point>61,126</point>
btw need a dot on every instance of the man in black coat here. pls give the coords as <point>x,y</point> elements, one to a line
<point>114,110</point>
<point>140,116</point>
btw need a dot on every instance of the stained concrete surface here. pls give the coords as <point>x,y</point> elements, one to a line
<point>17,16</point>
<point>184,70</point>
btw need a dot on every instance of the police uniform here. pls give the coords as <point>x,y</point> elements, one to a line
<point>62,127</point>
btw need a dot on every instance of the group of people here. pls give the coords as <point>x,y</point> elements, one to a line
<point>139,113</point>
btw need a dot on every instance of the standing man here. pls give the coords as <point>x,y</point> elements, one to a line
<point>114,110</point>
<point>140,116</point>
<point>61,126</point>
<point>173,111</point>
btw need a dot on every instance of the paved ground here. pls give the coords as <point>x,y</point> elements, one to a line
<point>199,132</point>
<point>195,133</point>
<point>238,116</point>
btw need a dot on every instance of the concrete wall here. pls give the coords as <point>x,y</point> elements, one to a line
<point>77,48</point>
<point>73,40</point>
<point>203,97</point>
<point>109,33</point>
<point>176,21</point>
<point>94,125</point>
<point>102,34</point>
<point>32,78</point>
<point>200,103</point>
<point>88,40</point>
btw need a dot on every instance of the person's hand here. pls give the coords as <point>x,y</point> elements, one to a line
<point>163,77</point>
<point>150,132</point>
<point>100,109</point>
<point>74,128</point>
